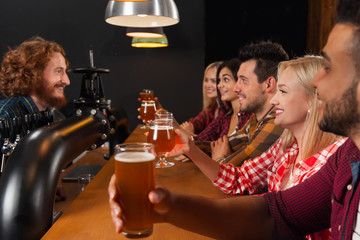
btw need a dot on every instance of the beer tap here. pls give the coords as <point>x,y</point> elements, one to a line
<point>46,118</point>
<point>35,121</point>
<point>6,147</point>
<point>17,124</point>
<point>28,123</point>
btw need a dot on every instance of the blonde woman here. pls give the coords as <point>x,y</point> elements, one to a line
<point>301,151</point>
<point>210,105</point>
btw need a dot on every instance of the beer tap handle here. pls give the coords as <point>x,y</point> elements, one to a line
<point>17,124</point>
<point>5,149</point>
<point>4,128</point>
<point>46,118</point>
<point>36,121</point>
<point>28,123</point>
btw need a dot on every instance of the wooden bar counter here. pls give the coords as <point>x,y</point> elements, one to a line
<point>88,216</point>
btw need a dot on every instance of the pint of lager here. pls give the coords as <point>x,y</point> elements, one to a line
<point>135,175</point>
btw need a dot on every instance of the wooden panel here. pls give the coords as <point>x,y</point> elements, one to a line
<point>321,19</point>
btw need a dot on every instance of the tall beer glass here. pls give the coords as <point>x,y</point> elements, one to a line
<point>147,111</point>
<point>135,176</point>
<point>162,135</point>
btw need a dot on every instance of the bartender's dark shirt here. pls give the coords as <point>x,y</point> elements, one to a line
<point>16,106</point>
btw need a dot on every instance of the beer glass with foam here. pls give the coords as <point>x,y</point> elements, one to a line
<point>135,176</point>
<point>162,135</point>
<point>146,95</point>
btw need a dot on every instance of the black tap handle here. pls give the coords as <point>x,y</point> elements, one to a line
<point>36,121</point>
<point>4,128</point>
<point>17,124</point>
<point>27,122</point>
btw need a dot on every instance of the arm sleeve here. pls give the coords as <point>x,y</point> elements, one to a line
<point>306,207</point>
<point>213,130</point>
<point>250,177</point>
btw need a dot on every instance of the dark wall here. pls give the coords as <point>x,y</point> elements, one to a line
<point>174,73</point>
<point>208,30</point>
<point>232,24</point>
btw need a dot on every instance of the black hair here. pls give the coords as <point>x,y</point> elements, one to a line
<point>232,64</point>
<point>267,55</point>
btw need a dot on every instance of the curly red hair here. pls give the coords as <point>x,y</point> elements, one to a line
<point>22,68</point>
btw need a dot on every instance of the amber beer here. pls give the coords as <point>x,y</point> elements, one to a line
<point>135,175</point>
<point>147,110</point>
<point>147,95</point>
<point>163,138</point>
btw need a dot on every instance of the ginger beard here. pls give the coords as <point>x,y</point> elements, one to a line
<point>49,94</point>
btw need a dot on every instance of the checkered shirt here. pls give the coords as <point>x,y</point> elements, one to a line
<point>254,138</point>
<point>269,169</point>
<point>220,126</point>
<point>330,197</point>
<point>204,118</point>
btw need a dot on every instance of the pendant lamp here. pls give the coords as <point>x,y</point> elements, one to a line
<point>153,13</point>
<point>131,0</point>
<point>157,32</point>
<point>149,42</point>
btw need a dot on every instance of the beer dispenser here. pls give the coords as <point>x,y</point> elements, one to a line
<point>28,184</point>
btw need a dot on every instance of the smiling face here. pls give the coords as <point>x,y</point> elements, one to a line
<point>226,85</point>
<point>50,92</point>
<point>291,102</point>
<point>337,84</point>
<point>209,83</point>
<point>249,91</point>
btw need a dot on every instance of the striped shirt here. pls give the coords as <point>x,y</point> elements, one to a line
<point>16,106</point>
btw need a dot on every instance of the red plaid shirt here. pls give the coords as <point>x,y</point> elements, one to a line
<point>269,169</point>
<point>204,118</point>
<point>330,197</point>
<point>220,126</point>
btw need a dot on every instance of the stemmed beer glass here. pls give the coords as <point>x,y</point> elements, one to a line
<point>148,107</point>
<point>162,135</point>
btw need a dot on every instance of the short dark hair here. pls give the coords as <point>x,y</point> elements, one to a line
<point>348,12</point>
<point>267,55</point>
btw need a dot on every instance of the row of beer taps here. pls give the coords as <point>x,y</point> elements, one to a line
<point>13,131</point>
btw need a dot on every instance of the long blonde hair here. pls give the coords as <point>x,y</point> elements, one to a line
<point>305,69</point>
<point>207,102</point>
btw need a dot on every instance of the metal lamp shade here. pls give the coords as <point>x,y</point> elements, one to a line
<point>153,13</point>
<point>131,0</point>
<point>149,42</point>
<point>145,32</point>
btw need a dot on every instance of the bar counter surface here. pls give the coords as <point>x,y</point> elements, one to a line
<point>88,216</point>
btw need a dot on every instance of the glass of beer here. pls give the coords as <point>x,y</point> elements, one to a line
<point>135,176</point>
<point>146,95</point>
<point>147,112</point>
<point>162,135</point>
<point>163,114</point>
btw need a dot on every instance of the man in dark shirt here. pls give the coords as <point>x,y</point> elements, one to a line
<point>330,198</point>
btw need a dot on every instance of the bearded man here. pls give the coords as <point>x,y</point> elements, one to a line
<point>33,78</point>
